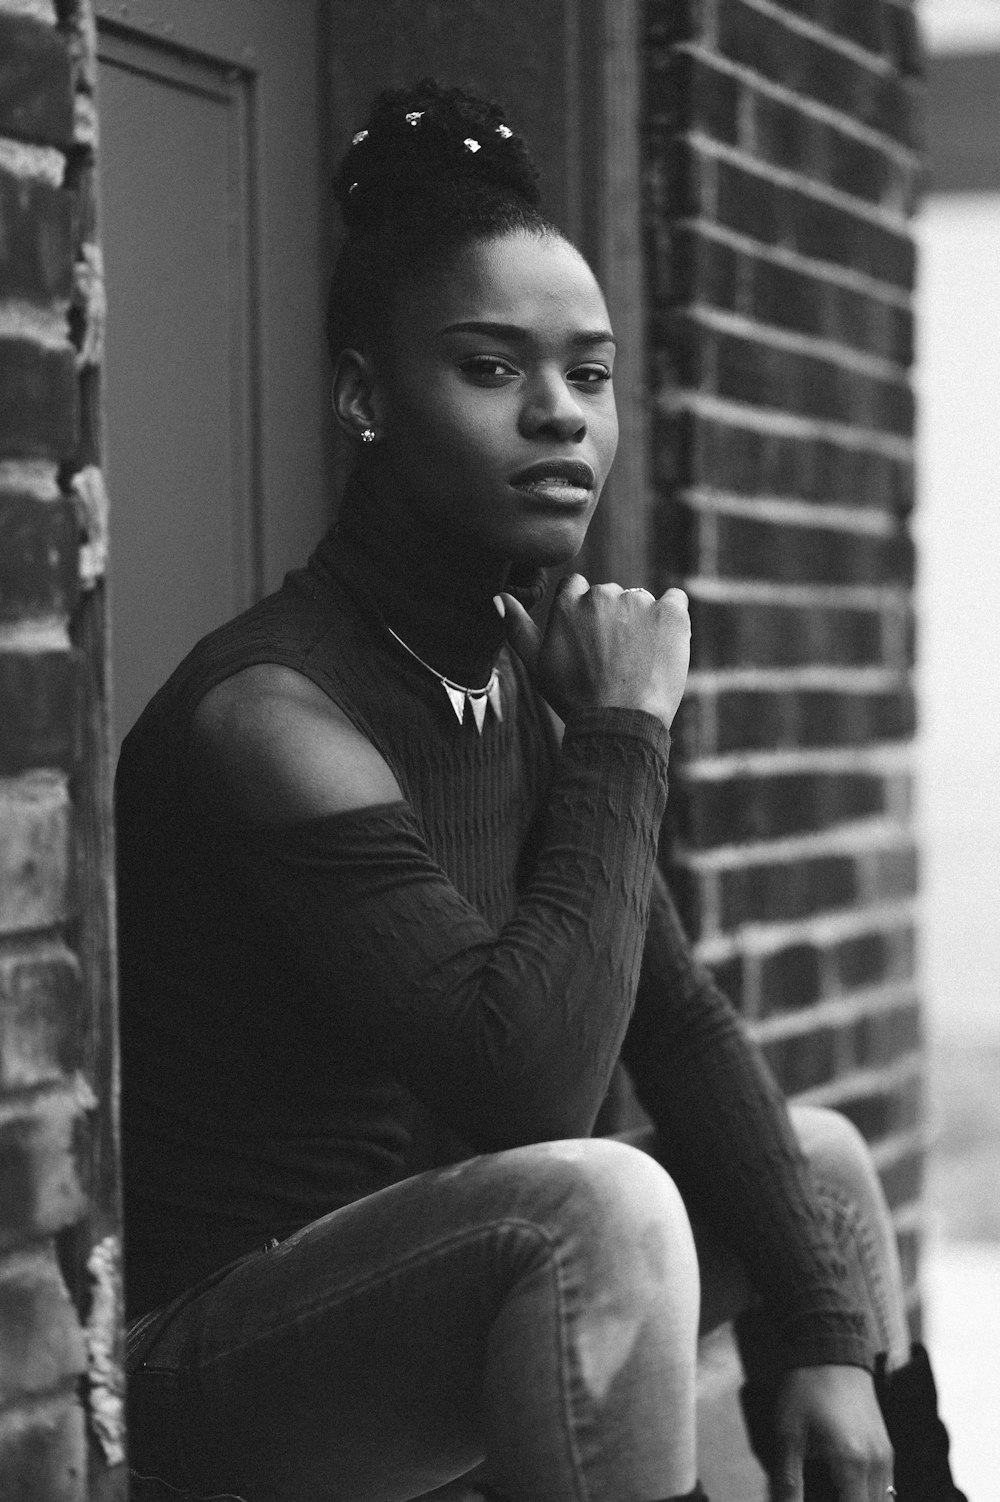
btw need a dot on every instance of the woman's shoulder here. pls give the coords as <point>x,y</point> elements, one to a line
<point>276,749</point>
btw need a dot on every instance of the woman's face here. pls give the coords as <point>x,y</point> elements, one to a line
<point>494,404</point>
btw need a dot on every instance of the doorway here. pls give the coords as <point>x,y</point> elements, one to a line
<point>212,189</point>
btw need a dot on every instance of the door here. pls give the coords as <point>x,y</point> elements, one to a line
<point>212,191</point>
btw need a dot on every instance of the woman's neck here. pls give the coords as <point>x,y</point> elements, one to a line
<point>432,588</point>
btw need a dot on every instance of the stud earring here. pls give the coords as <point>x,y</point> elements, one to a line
<point>367,435</point>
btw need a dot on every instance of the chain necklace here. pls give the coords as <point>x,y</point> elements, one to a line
<point>458,694</point>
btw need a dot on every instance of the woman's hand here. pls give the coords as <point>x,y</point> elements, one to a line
<point>831,1412</point>
<point>606,647</point>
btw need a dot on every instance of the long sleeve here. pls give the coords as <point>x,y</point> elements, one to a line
<point>730,1145</point>
<point>509,1037</point>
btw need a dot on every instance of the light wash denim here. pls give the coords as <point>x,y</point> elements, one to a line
<point>538,1307</point>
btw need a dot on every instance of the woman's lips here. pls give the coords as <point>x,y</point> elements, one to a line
<point>557,492</point>
<point>561,482</point>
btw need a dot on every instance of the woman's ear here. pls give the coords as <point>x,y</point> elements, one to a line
<point>353,395</point>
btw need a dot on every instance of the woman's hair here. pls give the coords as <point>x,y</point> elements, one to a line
<point>433,169</point>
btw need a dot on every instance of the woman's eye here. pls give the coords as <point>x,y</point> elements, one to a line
<point>589,375</point>
<point>488,370</point>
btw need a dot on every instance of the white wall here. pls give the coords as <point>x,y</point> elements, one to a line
<point>961,25</point>
<point>958,536</point>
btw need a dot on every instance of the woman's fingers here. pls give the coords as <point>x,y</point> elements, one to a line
<point>605,647</point>
<point>522,633</point>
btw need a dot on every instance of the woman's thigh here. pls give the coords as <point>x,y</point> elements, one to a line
<point>348,1361</point>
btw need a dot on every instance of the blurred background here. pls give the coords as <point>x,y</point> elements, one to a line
<point>957,524</point>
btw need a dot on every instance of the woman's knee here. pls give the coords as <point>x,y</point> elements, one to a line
<point>619,1210</point>
<point>838,1156</point>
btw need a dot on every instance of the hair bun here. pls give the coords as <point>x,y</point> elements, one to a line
<point>420,138</point>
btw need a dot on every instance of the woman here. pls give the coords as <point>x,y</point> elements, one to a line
<point>376,917</point>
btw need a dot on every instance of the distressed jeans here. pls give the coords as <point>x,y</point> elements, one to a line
<point>538,1308</point>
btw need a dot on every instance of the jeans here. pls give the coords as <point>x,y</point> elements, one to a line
<point>538,1307</point>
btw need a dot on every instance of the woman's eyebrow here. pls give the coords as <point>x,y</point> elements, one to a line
<point>514,333</point>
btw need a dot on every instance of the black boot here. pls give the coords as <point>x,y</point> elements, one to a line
<point>908,1400</point>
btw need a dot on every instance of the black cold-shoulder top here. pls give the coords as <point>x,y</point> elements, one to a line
<point>298,1001</point>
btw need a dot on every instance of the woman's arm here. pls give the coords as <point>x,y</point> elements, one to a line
<point>509,1037</point>
<point>730,1145</point>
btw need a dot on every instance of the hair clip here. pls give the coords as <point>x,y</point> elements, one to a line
<point>471,145</point>
<point>358,137</point>
<point>505,132</point>
<point>413,116</point>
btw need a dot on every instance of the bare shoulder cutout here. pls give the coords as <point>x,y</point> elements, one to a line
<point>274,749</point>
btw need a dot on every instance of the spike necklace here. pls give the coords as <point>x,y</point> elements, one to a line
<point>458,694</point>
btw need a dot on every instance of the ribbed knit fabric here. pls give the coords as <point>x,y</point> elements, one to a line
<point>728,1143</point>
<point>294,999</point>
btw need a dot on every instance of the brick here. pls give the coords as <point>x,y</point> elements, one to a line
<point>742,809</point>
<point>864,960</point>
<point>690,94</point>
<point>752,371</point>
<point>864,25</point>
<point>890,873</point>
<point>38,400</point>
<point>39,543</point>
<point>36,248</point>
<point>717,275</point>
<point>790,978</point>
<point>749,549</point>
<point>43,1454</point>
<point>884,1112</point>
<point>692,448</point>
<point>902,45</point>
<point>783,136</point>
<point>766,719</point>
<point>40,1186</point>
<point>776,214</point>
<point>803,1061</point>
<point>40,1017</point>
<point>887,30</point>
<point>884,1037</point>
<point>781,890</point>
<point>742,368</point>
<point>41,1344</point>
<point>758,635</point>
<point>681,179</point>
<point>40,697</point>
<point>668,22</point>
<point>36,87</point>
<point>728,976</point>
<point>34,853</point>
<point>804,65</point>
<point>694,95</point>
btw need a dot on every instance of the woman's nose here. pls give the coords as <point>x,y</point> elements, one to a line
<point>551,406</point>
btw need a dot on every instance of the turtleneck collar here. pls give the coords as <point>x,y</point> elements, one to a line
<point>433,588</point>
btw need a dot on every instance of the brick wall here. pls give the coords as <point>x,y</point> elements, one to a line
<point>783,160</point>
<point>60,1420</point>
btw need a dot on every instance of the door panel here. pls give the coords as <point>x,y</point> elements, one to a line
<point>215,377</point>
